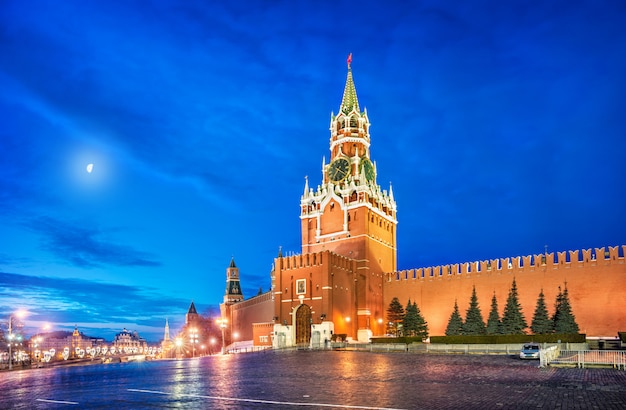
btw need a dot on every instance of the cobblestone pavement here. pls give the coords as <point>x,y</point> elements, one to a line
<point>317,380</point>
<point>502,382</point>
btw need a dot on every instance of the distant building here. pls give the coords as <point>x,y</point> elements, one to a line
<point>129,340</point>
<point>59,340</point>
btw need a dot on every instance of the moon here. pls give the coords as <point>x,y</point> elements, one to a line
<point>90,168</point>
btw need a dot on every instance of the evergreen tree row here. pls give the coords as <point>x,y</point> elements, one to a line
<point>406,322</point>
<point>513,321</point>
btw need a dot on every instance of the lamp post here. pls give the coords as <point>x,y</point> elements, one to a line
<point>179,344</point>
<point>194,340</point>
<point>222,324</point>
<point>38,349</point>
<point>19,313</point>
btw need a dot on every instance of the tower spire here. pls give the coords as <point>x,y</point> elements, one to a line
<point>306,186</point>
<point>349,101</point>
<point>166,336</point>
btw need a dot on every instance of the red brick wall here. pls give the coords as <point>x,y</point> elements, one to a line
<point>254,310</point>
<point>262,334</point>
<point>597,288</point>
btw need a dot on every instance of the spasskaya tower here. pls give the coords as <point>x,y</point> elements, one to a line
<point>335,287</point>
<point>349,214</point>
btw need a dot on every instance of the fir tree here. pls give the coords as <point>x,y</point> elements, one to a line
<point>541,321</point>
<point>494,327</point>
<point>557,306</point>
<point>414,323</point>
<point>513,322</point>
<point>422,326</point>
<point>455,324</point>
<point>474,323</point>
<point>395,314</point>
<point>409,322</point>
<point>563,319</point>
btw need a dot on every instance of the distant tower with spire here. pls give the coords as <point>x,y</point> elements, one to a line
<point>233,292</point>
<point>192,314</point>
<point>166,335</point>
<point>167,344</point>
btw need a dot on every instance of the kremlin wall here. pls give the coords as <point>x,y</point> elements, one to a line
<point>595,279</point>
<point>596,282</point>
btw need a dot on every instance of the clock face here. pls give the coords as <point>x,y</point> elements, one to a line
<point>368,168</point>
<point>339,169</point>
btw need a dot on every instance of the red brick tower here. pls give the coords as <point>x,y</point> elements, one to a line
<point>348,215</point>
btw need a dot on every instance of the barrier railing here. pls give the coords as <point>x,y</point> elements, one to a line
<point>582,358</point>
<point>547,355</point>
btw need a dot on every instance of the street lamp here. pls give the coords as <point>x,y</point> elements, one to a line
<point>223,322</point>
<point>18,314</point>
<point>194,340</point>
<point>35,353</point>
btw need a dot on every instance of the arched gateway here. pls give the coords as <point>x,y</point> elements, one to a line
<point>303,325</point>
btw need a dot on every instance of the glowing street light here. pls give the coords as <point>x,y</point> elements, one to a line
<point>193,335</point>
<point>222,322</point>
<point>35,348</point>
<point>18,314</point>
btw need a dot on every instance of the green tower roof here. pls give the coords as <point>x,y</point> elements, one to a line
<point>349,101</point>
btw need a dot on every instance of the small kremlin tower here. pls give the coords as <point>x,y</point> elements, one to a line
<point>192,314</point>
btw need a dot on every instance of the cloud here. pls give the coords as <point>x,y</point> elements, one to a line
<point>82,246</point>
<point>94,304</point>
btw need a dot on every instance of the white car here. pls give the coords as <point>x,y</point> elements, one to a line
<point>530,351</point>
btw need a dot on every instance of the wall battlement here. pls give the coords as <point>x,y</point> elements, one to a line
<point>314,259</point>
<point>518,264</point>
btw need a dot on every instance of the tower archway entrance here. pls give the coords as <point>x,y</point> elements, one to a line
<point>303,326</point>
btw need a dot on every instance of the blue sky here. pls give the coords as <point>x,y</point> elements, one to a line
<point>501,126</point>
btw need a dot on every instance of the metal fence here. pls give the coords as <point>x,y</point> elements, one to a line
<point>582,358</point>
<point>548,354</point>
